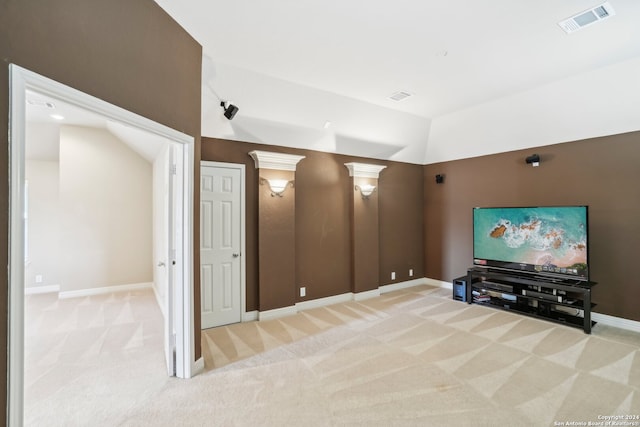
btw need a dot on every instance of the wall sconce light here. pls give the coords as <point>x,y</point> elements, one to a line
<point>366,190</point>
<point>439,179</point>
<point>534,160</point>
<point>229,111</point>
<point>277,186</point>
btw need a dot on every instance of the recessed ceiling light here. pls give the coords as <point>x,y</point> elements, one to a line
<point>57,116</point>
<point>39,103</point>
<point>399,96</point>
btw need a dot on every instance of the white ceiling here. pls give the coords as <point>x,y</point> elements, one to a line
<point>485,76</point>
<point>43,128</point>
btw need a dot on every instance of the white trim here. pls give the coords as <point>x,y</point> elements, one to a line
<point>364,170</point>
<point>335,299</point>
<point>277,161</point>
<point>617,322</point>
<point>438,283</point>
<point>198,367</point>
<point>104,290</point>
<point>15,371</point>
<point>158,299</point>
<point>34,290</point>
<point>361,296</point>
<point>403,285</point>
<point>21,80</point>
<point>243,228</point>
<point>250,316</point>
<point>277,312</point>
<point>184,324</point>
<point>322,302</point>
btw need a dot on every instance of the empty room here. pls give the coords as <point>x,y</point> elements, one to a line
<point>414,213</point>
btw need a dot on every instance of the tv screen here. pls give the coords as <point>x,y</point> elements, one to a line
<point>551,241</point>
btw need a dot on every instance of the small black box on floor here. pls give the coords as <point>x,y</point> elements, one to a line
<point>460,289</point>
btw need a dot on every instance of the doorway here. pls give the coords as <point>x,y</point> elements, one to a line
<point>179,348</point>
<point>222,260</point>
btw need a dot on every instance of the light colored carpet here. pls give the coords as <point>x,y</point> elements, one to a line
<point>408,358</point>
<point>90,360</point>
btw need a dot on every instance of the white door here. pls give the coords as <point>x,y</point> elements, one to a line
<point>221,244</point>
<point>172,213</point>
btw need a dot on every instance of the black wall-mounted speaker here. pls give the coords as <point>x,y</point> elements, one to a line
<point>439,179</point>
<point>230,111</point>
<point>533,159</point>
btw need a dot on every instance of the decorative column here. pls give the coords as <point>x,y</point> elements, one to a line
<point>276,229</point>
<point>365,247</point>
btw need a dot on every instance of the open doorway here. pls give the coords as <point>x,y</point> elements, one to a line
<point>178,312</point>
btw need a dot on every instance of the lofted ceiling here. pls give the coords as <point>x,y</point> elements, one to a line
<point>45,115</point>
<point>471,68</point>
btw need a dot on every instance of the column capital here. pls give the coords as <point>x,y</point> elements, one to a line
<point>364,170</point>
<point>277,161</point>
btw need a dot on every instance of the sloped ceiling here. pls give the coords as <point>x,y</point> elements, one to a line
<point>43,129</point>
<point>485,77</point>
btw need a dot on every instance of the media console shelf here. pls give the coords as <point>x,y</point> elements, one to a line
<point>562,301</point>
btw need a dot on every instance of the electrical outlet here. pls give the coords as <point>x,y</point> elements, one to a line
<point>38,278</point>
<point>411,272</point>
<point>393,275</point>
<point>303,291</point>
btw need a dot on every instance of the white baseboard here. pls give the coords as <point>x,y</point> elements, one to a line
<point>604,319</point>
<point>438,283</point>
<point>250,316</point>
<point>403,285</point>
<point>104,290</point>
<point>349,296</point>
<point>617,322</point>
<point>277,312</point>
<point>158,299</point>
<point>41,289</point>
<point>361,296</point>
<point>198,367</point>
<point>322,302</point>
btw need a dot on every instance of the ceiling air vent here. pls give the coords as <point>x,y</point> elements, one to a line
<point>587,18</point>
<point>399,96</point>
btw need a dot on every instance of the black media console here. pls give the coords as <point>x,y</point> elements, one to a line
<point>562,301</point>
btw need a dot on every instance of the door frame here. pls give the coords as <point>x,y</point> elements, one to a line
<point>21,80</point>
<point>243,215</point>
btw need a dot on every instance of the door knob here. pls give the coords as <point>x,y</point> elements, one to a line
<point>236,255</point>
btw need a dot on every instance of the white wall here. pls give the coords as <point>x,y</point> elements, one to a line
<point>357,128</point>
<point>43,223</point>
<point>106,228</point>
<point>598,103</point>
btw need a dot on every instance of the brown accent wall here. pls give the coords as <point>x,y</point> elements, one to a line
<point>276,228</point>
<point>323,241</point>
<point>401,189</point>
<point>365,234</point>
<point>131,54</point>
<point>602,173</point>
<point>322,219</point>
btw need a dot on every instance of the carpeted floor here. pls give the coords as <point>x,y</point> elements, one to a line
<point>412,357</point>
<point>90,360</point>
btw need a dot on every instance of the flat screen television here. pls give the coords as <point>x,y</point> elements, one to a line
<point>551,241</point>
